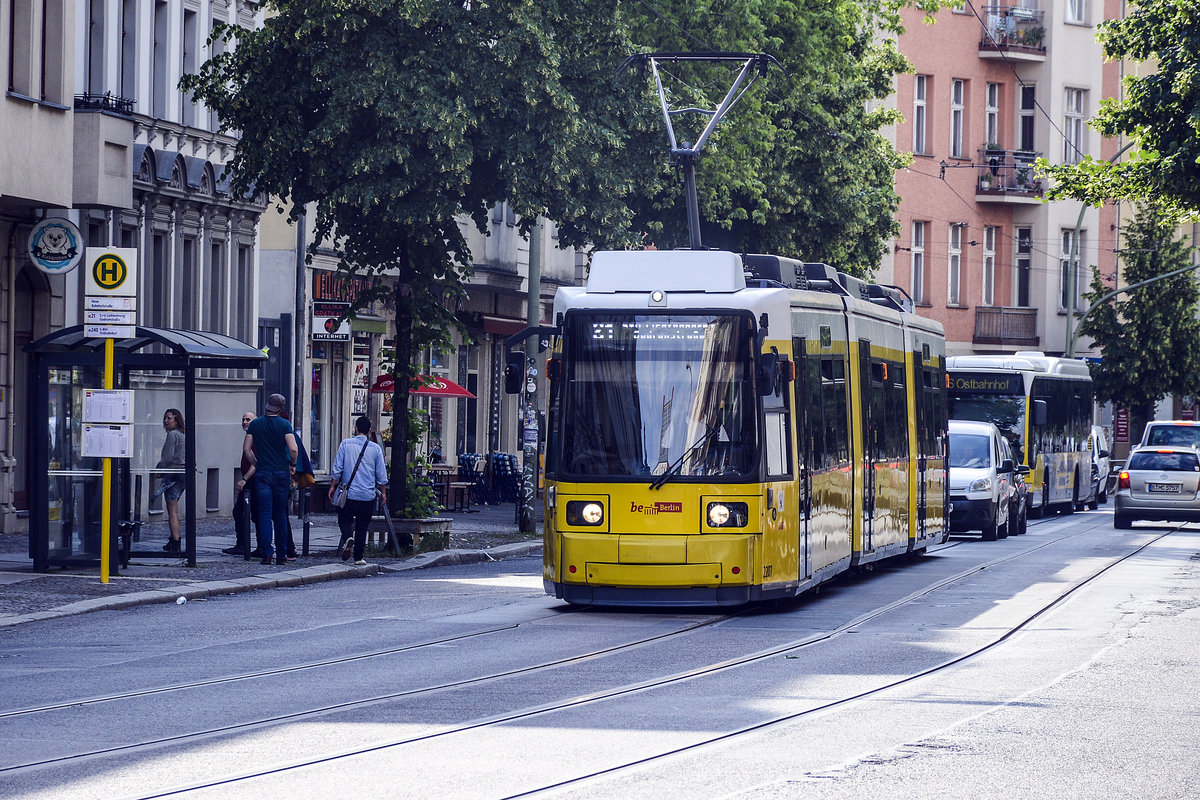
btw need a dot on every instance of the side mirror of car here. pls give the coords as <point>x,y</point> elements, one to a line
<point>1104,454</point>
<point>1023,470</point>
<point>1006,466</point>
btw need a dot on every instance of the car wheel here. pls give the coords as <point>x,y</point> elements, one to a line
<point>1122,522</point>
<point>989,531</point>
<point>1022,523</point>
<point>1102,498</point>
<point>1003,530</point>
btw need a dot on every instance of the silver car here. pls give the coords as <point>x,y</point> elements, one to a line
<point>1158,483</point>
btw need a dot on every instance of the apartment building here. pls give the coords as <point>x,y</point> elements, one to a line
<point>995,87</point>
<point>96,134</point>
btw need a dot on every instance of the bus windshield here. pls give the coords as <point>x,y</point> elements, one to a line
<point>645,391</point>
<point>1005,412</point>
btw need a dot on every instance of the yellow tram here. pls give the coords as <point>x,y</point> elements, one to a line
<point>725,429</point>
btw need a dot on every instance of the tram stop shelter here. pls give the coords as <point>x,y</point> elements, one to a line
<point>160,366</point>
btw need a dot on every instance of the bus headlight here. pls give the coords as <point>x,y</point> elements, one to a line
<point>585,512</point>
<point>728,515</point>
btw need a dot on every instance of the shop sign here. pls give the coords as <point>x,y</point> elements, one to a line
<point>325,324</point>
<point>55,246</point>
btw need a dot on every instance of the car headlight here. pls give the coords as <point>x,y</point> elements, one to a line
<point>728,515</point>
<point>585,512</point>
<point>981,485</point>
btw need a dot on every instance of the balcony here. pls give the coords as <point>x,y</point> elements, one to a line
<point>1002,325</point>
<point>1006,176</point>
<point>103,152</point>
<point>1018,34</point>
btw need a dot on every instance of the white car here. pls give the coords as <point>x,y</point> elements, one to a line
<point>981,480</point>
<point>1101,465</point>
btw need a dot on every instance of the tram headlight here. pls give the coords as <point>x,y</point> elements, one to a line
<point>585,512</point>
<point>728,515</point>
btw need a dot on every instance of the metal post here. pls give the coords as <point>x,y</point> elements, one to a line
<point>527,518</point>
<point>693,202</point>
<point>298,359</point>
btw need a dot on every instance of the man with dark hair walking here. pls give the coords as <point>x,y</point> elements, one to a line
<point>360,464</point>
<point>270,446</point>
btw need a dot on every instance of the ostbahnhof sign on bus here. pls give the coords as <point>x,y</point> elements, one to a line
<point>986,383</point>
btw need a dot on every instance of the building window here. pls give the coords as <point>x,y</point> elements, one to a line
<point>1077,11</point>
<point>128,48</point>
<point>1027,111</point>
<point>1067,263</point>
<point>920,138</point>
<point>918,262</point>
<point>1073,142</point>
<point>954,265</point>
<point>191,43</point>
<point>991,114</point>
<point>1024,262</point>
<point>35,49</point>
<point>159,61</point>
<point>957,89</point>
<point>245,294</point>
<point>989,266</point>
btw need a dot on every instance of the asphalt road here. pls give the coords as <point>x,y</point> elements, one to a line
<point>1060,664</point>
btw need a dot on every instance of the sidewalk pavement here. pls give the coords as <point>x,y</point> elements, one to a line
<point>488,534</point>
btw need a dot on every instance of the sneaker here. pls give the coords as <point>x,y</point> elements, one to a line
<point>347,549</point>
<point>234,551</point>
<point>360,563</point>
<point>172,546</point>
<point>268,561</point>
<point>281,560</point>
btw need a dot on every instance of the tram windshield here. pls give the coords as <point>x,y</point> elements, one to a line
<point>651,393</point>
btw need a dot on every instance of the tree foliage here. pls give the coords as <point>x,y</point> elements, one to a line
<point>395,118</point>
<point>1158,112</point>
<point>1149,337</point>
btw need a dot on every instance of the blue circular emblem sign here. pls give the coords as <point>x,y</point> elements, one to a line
<point>55,246</point>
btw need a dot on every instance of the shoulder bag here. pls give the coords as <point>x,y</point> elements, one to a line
<point>342,493</point>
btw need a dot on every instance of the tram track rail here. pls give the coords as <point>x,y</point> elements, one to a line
<point>503,718</point>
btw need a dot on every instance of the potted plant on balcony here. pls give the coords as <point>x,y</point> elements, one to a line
<point>986,181</point>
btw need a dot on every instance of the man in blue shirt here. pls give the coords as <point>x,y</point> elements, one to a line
<point>364,475</point>
<point>270,446</point>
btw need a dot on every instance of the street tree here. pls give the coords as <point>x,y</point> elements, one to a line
<point>1149,338</point>
<point>1157,112</point>
<point>396,119</point>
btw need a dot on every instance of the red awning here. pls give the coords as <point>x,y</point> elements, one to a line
<point>438,387</point>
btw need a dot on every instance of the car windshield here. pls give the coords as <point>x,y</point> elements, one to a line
<point>1171,462</point>
<point>1186,435</point>
<point>969,450</point>
<point>648,394</point>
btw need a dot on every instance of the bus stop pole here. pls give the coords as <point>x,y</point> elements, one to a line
<point>106,486</point>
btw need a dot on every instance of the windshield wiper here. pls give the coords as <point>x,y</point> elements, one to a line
<point>674,468</point>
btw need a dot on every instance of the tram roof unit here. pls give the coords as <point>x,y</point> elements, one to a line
<point>1023,361</point>
<point>717,271</point>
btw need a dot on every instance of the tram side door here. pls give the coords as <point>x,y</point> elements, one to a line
<point>806,374</point>
<point>870,443</point>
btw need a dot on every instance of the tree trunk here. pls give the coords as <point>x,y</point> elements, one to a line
<point>402,378</point>
<point>1138,417</point>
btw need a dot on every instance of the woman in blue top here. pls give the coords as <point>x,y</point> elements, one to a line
<point>364,476</point>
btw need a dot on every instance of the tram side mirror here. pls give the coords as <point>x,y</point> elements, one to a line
<point>767,374</point>
<point>1039,412</point>
<point>514,373</point>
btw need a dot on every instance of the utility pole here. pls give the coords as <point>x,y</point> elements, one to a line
<point>527,518</point>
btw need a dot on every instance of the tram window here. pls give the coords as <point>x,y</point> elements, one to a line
<point>778,444</point>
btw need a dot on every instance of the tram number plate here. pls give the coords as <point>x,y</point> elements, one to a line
<point>1164,488</point>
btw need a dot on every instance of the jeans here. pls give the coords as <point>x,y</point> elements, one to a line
<point>272,490</point>
<point>356,513</point>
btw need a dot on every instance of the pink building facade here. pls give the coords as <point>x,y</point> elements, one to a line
<point>994,88</point>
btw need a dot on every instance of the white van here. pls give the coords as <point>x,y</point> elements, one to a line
<point>981,480</point>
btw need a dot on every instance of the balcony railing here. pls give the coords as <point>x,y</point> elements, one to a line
<point>1014,29</point>
<point>1008,171</point>
<point>104,102</point>
<point>1005,325</point>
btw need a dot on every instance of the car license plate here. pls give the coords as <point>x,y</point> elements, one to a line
<point>1163,488</point>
